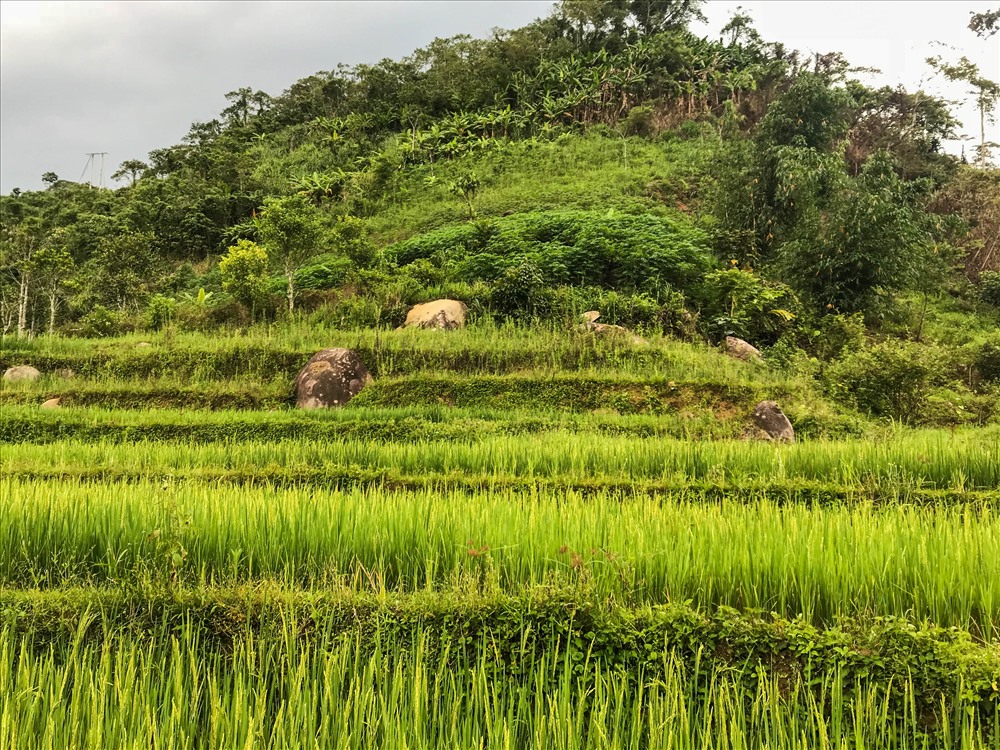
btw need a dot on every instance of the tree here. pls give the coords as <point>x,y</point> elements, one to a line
<point>130,168</point>
<point>50,179</point>
<point>985,24</point>
<point>122,269</point>
<point>870,241</point>
<point>771,189</point>
<point>18,248</point>
<point>987,94</point>
<point>289,231</point>
<point>244,273</point>
<point>466,187</point>
<point>52,266</point>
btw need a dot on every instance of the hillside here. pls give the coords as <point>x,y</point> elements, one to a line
<point>529,527</point>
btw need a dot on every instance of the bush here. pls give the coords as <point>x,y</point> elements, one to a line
<point>582,248</point>
<point>244,273</point>
<point>352,240</point>
<point>989,287</point>
<point>986,360</point>
<point>835,334</point>
<point>739,303</point>
<point>327,271</point>
<point>101,322</point>
<point>160,311</point>
<point>891,379</point>
<point>640,122</point>
<point>521,292</point>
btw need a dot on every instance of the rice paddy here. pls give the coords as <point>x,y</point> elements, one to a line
<point>445,563</point>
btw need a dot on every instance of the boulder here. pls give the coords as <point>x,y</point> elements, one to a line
<point>607,330</point>
<point>52,403</point>
<point>331,378</point>
<point>65,373</point>
<point>444,314</point>
<point>21,374</point>
<point>740,349</point>
<point>769,417</point>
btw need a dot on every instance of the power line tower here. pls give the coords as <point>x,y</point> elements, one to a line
<point>92,165</point>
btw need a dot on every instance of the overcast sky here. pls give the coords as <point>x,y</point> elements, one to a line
<point>128,77</point>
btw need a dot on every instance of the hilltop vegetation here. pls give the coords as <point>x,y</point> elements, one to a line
<point>601,158</point>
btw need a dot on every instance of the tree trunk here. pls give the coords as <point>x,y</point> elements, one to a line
<point>52,312</point>
<point>290,275</point>
<point>22,305</point>
<point>982,135</point>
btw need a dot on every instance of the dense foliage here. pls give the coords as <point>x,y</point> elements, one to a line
<point>323,175</point>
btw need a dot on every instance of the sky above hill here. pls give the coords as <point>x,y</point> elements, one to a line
<point>128,77</point>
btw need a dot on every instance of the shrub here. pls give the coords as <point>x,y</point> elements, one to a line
<point>327,271</point>
<point>986,360</point>
<point>835,334</point>
<point>583,248</point>
<point>101,322</point>
<point>891,379</point>
<point>989,287</point>
<point>244,273</point>
<point>640,122</point>
<point>160,311</point>
<point>352,240</point>
<point>521,291</point>
<point>739,303</point>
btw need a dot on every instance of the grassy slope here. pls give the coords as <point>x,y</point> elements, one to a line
<point>527,472</point>
<point>584,172</point>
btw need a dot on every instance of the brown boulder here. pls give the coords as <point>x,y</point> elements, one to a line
<point>740,349</point>
<point>769,417</point>
<point>331,378</point>
<point>444,314</point>
<point>52,403</point>
<point>607,330</point>
<point>21,374</point>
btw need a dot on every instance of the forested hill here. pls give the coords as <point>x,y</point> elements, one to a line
<point>603,157</point>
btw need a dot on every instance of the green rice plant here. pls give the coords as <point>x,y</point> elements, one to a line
<point>172,690</point>
<point>28,424</point>
<point>942,564</point>
<point>966,460</point>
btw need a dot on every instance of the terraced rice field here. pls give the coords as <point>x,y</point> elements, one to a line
<point>501,545</point>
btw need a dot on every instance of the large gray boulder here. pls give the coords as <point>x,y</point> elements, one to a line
<point>740,349</point>
<point>769,417</point>
<point>444,314</point>
<point>21,374</point>
<point>331,378</point>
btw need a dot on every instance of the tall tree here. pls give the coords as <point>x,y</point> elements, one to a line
<point>985,24</point>
<point>986,92</point>
<point>17,249</point>
<point>130,168</point>
<point>52,266</point>
<point>289,230</point>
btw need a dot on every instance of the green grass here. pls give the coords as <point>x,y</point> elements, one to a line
<point>539,673</point>
<point>265,352</point>
<point>516,537</point>
<point>581,172</point>
<point>937,563</point>
<point>964,460</point>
